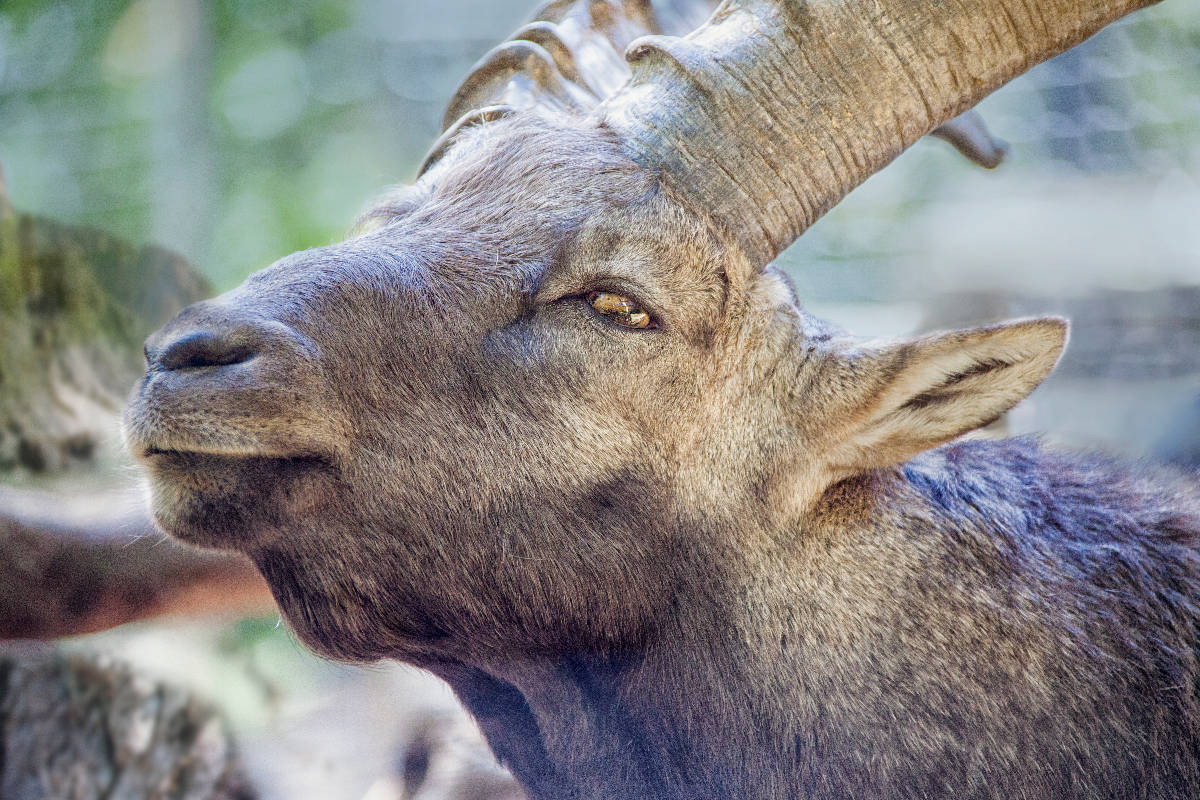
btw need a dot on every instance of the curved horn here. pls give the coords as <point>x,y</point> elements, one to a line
<point>771,112</point>
<point>569,58</point>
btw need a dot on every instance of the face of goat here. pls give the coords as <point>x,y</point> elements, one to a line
<point>429,439</point>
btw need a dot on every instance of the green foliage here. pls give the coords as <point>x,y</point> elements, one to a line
<point>10,278</point>
<point>212,128</point>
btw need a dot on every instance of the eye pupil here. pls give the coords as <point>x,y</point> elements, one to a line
<point>620,309</point>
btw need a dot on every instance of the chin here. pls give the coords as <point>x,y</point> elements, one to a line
<point>231,502</point>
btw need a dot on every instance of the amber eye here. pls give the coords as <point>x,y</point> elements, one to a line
<point>621,310</point>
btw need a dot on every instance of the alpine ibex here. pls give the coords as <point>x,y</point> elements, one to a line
<point>550,426</point>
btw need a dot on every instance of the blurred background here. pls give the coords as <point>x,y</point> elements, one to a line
<point>236,132</point>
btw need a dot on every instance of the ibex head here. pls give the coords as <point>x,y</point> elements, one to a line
<point>557,373</point>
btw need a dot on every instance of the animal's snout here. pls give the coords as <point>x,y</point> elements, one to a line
<point>209,336</point>
<point>222,379</point>
<point>205,348</point>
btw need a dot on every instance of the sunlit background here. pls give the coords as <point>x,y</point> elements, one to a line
<point>237,132</point>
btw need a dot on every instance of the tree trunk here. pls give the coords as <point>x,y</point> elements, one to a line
<point>74,728</point>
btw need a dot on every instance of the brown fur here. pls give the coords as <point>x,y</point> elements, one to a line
<point>700,561</point>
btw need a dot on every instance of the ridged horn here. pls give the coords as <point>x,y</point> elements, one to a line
<point>772,111</point>
<point>569,59</point>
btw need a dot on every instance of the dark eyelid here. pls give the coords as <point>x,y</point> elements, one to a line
<point>613,285</point>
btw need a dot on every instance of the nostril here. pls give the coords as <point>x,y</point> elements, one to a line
<point>204,349</point>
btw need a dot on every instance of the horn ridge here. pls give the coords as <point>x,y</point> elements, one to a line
<point>566,60</point>
<point>470,119</point>
<point>518,73</point>
<point>550,37</point>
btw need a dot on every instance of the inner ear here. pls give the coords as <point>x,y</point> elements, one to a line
<point>913,395</point>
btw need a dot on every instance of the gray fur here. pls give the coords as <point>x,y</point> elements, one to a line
<point>633,554</point>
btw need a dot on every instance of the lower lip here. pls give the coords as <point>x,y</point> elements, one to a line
<point>152,453</point>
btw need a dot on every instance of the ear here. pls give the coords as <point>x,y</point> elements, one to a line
<point>917,394</point>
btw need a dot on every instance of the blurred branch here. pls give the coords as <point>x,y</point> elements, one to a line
<point>61,577</point>
<point>447,759</point>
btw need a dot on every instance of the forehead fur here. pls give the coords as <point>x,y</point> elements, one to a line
<point>515,188</point>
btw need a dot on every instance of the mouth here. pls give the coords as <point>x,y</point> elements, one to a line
<point>215,471</point>
<point>154,453</point>
<point>232,500</point>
